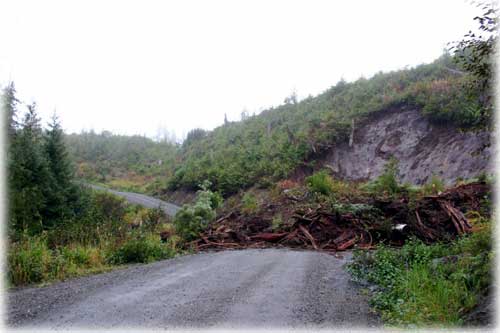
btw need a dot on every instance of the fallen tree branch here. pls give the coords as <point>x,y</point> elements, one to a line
<point>309,236</point>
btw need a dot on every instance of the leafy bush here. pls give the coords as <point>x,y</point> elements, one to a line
<point>386,183</point>
<point>320,182</point>
<point>249,204</point>
<point>191,220</point>
<point>141,249</point>
<point>110,206</point>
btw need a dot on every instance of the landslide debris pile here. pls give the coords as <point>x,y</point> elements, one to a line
<point>340,226</point>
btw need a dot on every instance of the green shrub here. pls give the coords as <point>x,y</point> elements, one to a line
<point>141,249</point>
<point>444,101</point>
<point>320,182</point>
<point>109,206</point>
<point>249,204</point>
<point>191,220</point>
<point>386,183</point>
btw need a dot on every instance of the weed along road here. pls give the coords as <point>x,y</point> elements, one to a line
<point>230,289</point>
<point>144,200</point>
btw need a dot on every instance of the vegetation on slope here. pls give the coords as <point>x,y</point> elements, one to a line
<point>107,233</point>
<point>133,163</point>
<point>264,148</point>
<point>430,285</point>
<point>270,146</point>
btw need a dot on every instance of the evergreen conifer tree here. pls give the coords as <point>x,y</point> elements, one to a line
<point>62,191</point>
<point>9,105</point>
<point>28,176</point>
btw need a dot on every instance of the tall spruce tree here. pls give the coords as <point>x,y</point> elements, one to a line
<point>9,106</point>
<point>28,176</point>
<point>9,112</point>
<point>63,192</point>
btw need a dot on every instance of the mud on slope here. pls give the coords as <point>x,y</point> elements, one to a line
<point>421,147</point>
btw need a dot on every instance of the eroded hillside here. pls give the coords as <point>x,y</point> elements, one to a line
<point>422,149</point>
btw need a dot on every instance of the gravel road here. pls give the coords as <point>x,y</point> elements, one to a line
<point>257,288</point>
<point>141,199</point>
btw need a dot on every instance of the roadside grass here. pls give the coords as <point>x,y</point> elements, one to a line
<point>31,261</point>
<point>423,285</point>
<point>112,234</point>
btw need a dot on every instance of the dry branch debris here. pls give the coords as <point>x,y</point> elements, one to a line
<point>432,218</point>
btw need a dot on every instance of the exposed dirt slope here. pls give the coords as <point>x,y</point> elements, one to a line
<point>422,149</point>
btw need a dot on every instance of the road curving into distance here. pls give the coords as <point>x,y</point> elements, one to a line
<point>142,199</point>
<point>254,288</point>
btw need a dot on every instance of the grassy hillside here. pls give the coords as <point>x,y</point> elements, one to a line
<point>264,148</point>
<point>127,162</point>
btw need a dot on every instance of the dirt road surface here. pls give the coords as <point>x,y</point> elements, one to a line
<point>256,288</point>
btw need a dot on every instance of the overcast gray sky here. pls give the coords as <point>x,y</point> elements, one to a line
<point>132,67</point>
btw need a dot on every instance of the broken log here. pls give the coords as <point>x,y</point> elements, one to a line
<point>346,234</point>
<point>347,244</point>
<point>309,236</point>
<point>423,229</point>
<point>461,223</point>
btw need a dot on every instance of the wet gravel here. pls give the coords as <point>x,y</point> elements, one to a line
<point>257,288</point>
